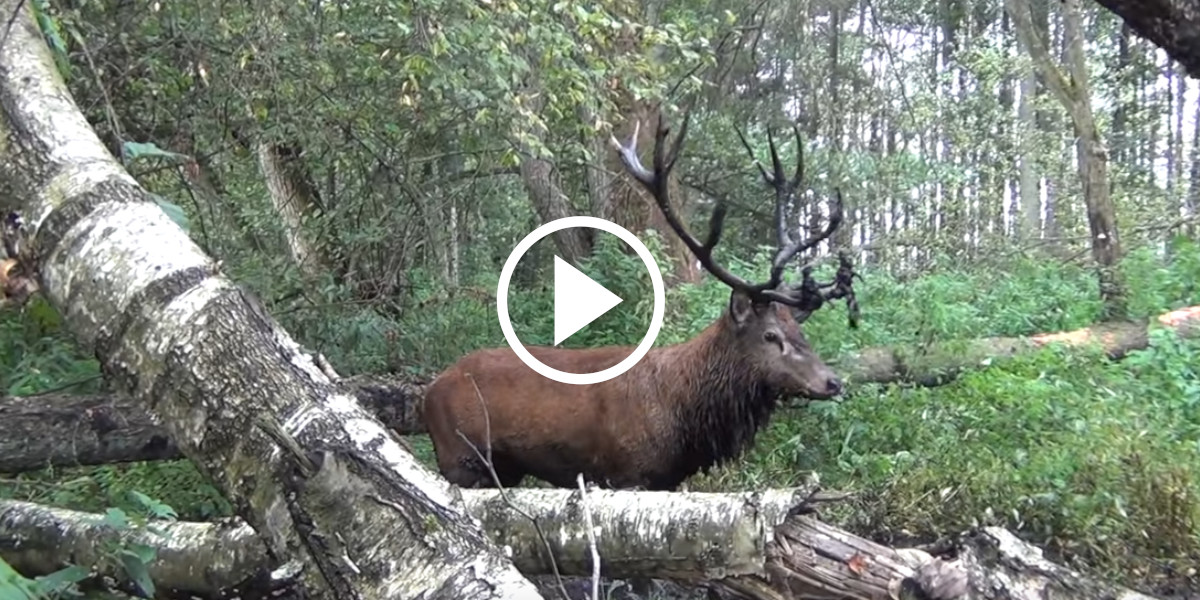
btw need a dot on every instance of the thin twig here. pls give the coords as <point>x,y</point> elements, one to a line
<point>11,19</point>
<point>69,384</point>
<point>487,461</point>
<point>110,112</point>
<point>591,533</point>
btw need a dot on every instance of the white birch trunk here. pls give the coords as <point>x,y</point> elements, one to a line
<point>320,480</point>
<point>195,558</point>
<point>741,544</point>
<point>292,202</point>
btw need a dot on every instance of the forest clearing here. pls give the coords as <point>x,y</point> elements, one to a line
<point>930,329</point>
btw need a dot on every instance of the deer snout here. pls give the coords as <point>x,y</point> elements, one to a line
<point>834,386</point>
<point>824,386</point>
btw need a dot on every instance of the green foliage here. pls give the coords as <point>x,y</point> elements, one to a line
<point>96,489</point>
<point>59,584</point>
<point>1094,458</point>
<point>52,33</point>
<point>37,354</point>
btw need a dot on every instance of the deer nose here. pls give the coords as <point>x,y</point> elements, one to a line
<point>834,386</point>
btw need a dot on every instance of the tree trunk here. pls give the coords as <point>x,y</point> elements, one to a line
<point>1173,25</point>
<point>1029,199</point>
<point>542,184</point>
<point>1178,201</point>
<point>1193,195</point>
<point>294,198</point>
<point>1075,96</point>
<point>752,545</point>
<point>319,479</point>
<point>598,178</point>
<point>630,205</point>
<point>70,430</point>
<point>1093,167</point>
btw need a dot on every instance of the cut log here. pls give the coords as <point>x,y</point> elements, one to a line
<point>748,545</point>
<point>332,494</point>
<point>64,430</point>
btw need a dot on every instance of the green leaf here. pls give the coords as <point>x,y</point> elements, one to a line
<point>14,586</point>
<point>54,38</point>
<point>145,553</point>
<point>116,518</point>
<point>136,568</point>
<point>131,151</point>
<point>154,507</point>
<point>63,579</point>
<point>173,210</point>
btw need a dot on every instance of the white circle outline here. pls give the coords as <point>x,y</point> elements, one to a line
<point>510,265</point>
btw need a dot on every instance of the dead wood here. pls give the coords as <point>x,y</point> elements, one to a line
<point>755,545</point>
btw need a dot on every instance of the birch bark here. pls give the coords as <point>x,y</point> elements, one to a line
<point>744,545</point>
<point>322,482</point>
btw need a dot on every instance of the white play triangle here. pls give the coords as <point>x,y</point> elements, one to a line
<point>578,300</point>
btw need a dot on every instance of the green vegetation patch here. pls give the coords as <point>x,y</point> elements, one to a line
<point>1097,460</point>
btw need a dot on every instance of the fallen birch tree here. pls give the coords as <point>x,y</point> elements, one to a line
<point>327,488</point>
<point>748,545</point>
<point>63,430</point>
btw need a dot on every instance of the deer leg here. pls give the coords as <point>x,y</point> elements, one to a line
<point>468,471</point>
<point>508,472</point>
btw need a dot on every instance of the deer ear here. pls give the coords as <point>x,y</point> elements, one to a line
<point>740,307</point>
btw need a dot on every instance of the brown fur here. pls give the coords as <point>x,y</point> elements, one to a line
<point>681,409</point>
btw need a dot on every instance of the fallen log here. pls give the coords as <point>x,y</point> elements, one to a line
<point>190,557</point>
<point>66,430</point>
<point>746,545</point>
<point>939,363</point>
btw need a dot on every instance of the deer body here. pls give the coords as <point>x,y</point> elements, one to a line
<point>681,409</point>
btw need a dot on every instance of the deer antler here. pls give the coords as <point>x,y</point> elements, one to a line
<point>813,294</point>
<point>785,190</point>
<point>809,295</point>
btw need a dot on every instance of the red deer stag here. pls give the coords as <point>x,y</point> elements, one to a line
<point>681,409</point>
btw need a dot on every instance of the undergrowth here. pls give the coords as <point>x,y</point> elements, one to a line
<point>1098,460</point>
<point>1093,458</point>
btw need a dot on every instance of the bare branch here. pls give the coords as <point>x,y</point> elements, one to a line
<point>591,533</point>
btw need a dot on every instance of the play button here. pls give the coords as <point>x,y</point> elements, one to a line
<point>578,300</point>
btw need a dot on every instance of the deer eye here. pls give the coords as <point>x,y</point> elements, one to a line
<point>771,337</point>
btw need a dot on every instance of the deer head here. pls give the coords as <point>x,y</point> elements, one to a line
<point>763,319</point>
